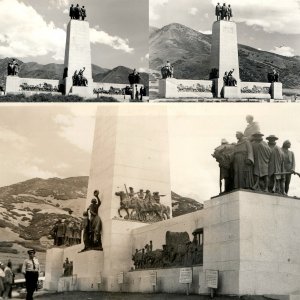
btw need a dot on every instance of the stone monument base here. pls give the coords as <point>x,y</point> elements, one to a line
<point>276,90</point>
<point>82,91</point>
<point>232,92</point>
<point>184,88</point>
<point>12,84</point>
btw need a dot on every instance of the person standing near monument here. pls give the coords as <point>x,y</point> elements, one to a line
<point>251,128</point>
<point>243,161</point>
<point>289,164</point>
<point>262,153</point>
<point>8,280</point>
<point>30,269</point>
<point>218,11</point>
<point>276,180</point>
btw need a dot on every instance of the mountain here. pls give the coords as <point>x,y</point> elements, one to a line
<point>55,71</point>
<point>189,51</point>
<point>184,205</point>
<point>29,209</point>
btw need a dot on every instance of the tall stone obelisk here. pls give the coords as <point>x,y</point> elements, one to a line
<point>131,147</point>
<point>224,51</point>
<point>78,54</point>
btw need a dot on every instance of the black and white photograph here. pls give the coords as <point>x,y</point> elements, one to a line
<point>53,51</point>
<point>214,51</point>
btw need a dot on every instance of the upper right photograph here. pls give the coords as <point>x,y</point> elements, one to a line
<point>236,51</point>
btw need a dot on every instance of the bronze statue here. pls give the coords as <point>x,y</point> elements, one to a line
<point>251,128</point>
<point>229,12</point>
<point>224,156</point>
<point>289,164</point>
<point>273,76</point>
<point>79,79</point>
<point>13,68</point>
<point>243,163</point>
<point>72,12</point>
<point>228,79</point>
<point>262,153</point>
<point>224,12</point>
<point>218,11</point>
<point>167,70</point>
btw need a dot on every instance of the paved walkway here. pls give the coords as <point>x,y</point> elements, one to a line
<point>124,296</point>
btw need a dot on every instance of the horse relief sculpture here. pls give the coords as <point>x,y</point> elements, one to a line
<point>142,206</point>
<point>79,79</point>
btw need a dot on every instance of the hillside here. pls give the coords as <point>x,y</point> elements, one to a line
<point>189,51</point>
<point>29,209</point>
<point>55,71</point>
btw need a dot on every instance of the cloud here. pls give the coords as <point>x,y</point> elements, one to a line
<point>146,57</point>
<point>77,129</point>
<point>271,15</point>
<point>35,171</point>
<point>283,50</point>
<point>193,11</point>
<point>60,3</point>
<point>25,33</point>
<point>115,42</point>
<point>154,5</point>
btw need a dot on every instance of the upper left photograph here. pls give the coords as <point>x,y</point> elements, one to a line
<point>65,51</point>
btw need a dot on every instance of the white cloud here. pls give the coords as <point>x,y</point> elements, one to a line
<point>193,11</point>
<point>271,15</point>
<point>35,171</point>
<point>115,42</point>
<point>206,31</point>
<point>143,70</point>
<point>77,129</point>
<point>25,33</point>
<point>60,3</point>
<point>146,57</point>
<point>154,6</point>
<point>66,11</point>
<point>283,50</point>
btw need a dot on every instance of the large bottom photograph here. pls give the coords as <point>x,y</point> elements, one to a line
<point>182,199</point>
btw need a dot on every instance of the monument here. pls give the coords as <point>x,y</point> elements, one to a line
<point>224,78</point>
<point>249,239</point>
<point>78,57</point>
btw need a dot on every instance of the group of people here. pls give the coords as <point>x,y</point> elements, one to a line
<point>223,12</point>
<point>228,79</point>
<point>77,12</point>
<point>68,268</point>
<point>253,163</point>
<point>167,71</point>
<point>13,68</point>
<point>6,280</point>
<point>273,76</point>
<point>66,233</point>
<point>79,79</point>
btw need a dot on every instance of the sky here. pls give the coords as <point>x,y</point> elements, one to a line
<point>269,25</point>
<point>56,140</point>
<point>35,30</point>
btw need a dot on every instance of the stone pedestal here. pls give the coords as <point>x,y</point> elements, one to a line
<point>78,52</point>
<point>276,91</point>
<point>231,92</point>
<point>54,268</point>
<point>224,51</point>
<point>12,84</point>
<point>131,147</point>
<point>253,240</point>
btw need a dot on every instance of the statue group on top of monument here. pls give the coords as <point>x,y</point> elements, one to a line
<point>167,71</point>
<point>228,79</point>
<point>13,68</point>
<point>134,77</point>
<point>92,225</point>
<point>77,12</point>
<point>144,206</point>
<point>273,76</point>
<point>252,163</point>
<point>178,251</point>
<point>66,232</point>
<point>79,79</point>
<point>223,12</point>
